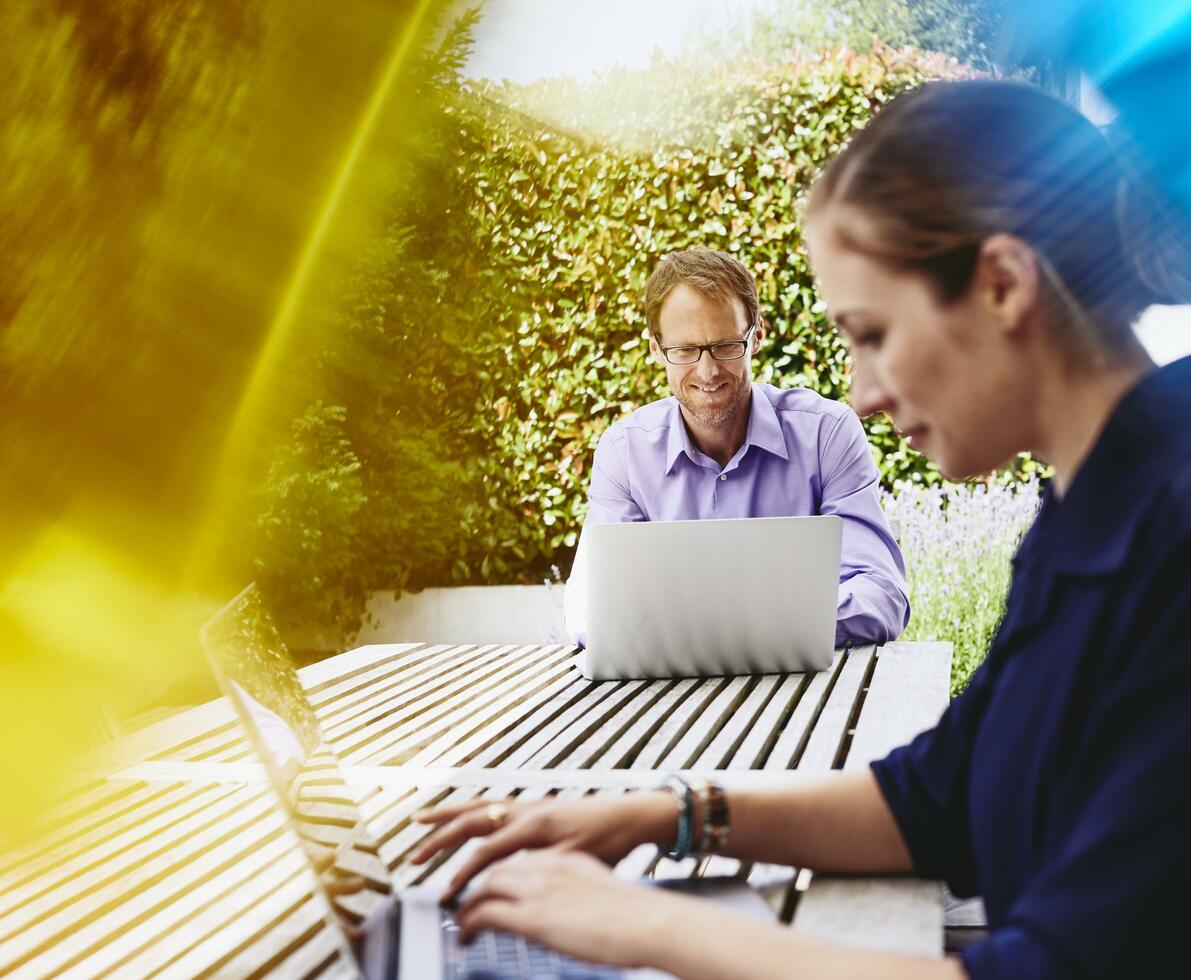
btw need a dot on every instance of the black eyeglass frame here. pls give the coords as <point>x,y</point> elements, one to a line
<point>711,349</point>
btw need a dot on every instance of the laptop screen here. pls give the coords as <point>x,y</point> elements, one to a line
<point>255,672</point>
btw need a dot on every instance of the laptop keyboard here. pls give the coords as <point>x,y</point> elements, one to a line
<point>504,956</point>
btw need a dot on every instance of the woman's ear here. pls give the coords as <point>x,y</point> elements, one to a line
<point>1006,279</point>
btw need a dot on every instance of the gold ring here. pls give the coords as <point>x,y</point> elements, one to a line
<point>498,813</point>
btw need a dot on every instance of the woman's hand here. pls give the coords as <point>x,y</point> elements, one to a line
<point>572,903</point>
<point>605,827</point>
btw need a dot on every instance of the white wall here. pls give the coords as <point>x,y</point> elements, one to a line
<point>1166,332</point>
<point>471,614</point>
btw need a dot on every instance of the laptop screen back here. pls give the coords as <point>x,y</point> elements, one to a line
<point>732,596</point>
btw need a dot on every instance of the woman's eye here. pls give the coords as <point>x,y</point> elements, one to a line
<point>869,338</point>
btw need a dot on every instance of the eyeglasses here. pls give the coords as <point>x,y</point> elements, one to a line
<point>725,350</point>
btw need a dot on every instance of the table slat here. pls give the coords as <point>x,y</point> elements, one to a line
<point>675,725</point>
<point>733,729</point>
<point>76,928</point>
<point>831,728</point>
<point>762,735</point>
<point>191,917</point>
<point>788,747</point>
<point>397,740</point>
<point>907,692</point>
<point>141,841</point>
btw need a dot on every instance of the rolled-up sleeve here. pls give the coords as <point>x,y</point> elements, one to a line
<point>873,604</point>
<point>610,501</point>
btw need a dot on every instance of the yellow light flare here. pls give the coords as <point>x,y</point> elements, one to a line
<point>148,250</point>
<point>280,330</point>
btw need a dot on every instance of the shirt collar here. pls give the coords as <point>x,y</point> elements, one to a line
<point>678,441</point>
<point>764,431</point>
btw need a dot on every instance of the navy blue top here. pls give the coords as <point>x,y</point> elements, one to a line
<point>1058,785</point>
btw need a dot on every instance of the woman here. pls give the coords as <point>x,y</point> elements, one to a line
<point>984,259</point>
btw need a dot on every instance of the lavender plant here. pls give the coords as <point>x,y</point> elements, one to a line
<point>958,541</point>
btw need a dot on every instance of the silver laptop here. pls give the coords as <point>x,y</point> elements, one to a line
<point>694,598</point>
<point>384,935</point>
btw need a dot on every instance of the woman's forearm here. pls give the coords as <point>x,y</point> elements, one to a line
<point>694,939</point>
<point>840,823</point>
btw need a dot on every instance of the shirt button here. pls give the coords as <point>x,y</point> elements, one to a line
<point>723,476</point>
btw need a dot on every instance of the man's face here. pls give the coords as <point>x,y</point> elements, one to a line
<point>712,392</point>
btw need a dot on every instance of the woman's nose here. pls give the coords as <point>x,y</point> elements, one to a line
<point>868,395</point>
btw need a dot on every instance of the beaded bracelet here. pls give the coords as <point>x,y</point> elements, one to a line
<point>685,799</point>
<point>711,800</point>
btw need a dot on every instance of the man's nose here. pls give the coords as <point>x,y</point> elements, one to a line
<point>707,366</point>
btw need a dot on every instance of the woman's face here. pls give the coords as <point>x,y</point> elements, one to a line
<point>949,377</point>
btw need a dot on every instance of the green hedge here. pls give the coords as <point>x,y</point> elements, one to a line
<point>484,340</point>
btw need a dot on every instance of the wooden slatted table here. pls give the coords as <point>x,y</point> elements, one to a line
<point>173,860</point>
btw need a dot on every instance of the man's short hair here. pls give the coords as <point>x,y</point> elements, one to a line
<point>714,274</point>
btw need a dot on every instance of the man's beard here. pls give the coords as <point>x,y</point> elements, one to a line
<point>713,417</point>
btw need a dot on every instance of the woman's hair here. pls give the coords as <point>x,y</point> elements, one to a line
<point>711,273</point>
<point>941,168</point>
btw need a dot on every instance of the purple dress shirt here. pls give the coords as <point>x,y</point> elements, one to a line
<point>802,455</point>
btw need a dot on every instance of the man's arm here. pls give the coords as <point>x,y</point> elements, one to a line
<point>609,501</point>
<point>873,605</point>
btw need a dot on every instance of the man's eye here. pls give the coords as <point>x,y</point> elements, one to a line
<point>683,351</point>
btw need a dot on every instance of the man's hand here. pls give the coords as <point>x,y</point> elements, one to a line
<point>607,828</point>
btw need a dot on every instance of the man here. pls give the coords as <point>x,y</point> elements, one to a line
<point>723,446</point>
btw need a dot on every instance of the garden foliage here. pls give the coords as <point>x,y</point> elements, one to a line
<point>958,542</point>
<point>493,329</point>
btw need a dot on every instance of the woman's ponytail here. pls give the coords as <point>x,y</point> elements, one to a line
<point>1155,238</point>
